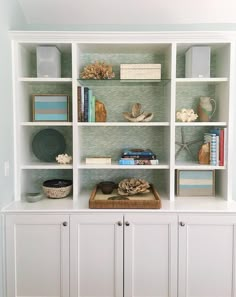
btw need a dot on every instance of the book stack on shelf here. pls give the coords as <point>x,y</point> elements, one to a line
<point>138,157</point>
<point>86,105</point>
<point>217,140</point>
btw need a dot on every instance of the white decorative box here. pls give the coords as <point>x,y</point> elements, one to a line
<point>140,71</point>
<point>197,62</point>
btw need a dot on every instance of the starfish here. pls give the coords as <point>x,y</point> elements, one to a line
<point>185,145</point>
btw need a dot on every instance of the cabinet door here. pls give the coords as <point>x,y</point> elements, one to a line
<point>207,256</point>
<point>150,255</point>
<point>37,255</point>
<point>96,266</point>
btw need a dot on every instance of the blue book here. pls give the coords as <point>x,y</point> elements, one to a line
<point>86,96</point>
<point>211,138</point>
<point>90,95</point>
<point>137,152</point>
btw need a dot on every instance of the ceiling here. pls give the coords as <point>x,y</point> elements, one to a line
<point>127,12</point>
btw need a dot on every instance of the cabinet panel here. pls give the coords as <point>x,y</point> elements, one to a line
<point>207,256</point>
<point>96,255</point>
<point>37,248</point>
<point>150,253</point>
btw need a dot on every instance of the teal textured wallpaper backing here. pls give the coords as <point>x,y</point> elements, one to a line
<point>118,98</point>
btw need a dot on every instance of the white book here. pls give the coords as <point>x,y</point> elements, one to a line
<point>98,160</point>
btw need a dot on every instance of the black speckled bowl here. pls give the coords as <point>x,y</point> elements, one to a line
<point>57,188</point>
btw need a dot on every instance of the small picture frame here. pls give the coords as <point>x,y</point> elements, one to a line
<point>50,108</point>
<point>195,183</point>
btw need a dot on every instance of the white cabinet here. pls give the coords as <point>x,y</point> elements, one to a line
<point>138,256</point>
<point>96,250</point>
<point>150,255</point>
<point>121,255</point>
<point>207,255</point>
<point>37,255</point>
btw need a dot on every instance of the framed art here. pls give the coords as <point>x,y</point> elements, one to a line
<point>50,108</point>
<point>195,182</point>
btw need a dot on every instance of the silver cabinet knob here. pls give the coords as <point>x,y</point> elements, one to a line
<point>64,224</point>
<point>182,224</point>
<point>127,223</point>
<point>119,223</point>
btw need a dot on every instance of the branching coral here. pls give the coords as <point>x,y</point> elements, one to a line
<point>97,70</point>
<point>186,115</point>
<point>64,159</point>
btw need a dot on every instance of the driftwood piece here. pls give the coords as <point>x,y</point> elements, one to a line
<point>101,113</point>
<point>204,154</point>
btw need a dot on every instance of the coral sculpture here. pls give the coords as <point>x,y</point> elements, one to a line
<point>64,159</point>
<point>132,186</point>
<point>137,115</point>
<point>186,115</point>
<point>97,70</point>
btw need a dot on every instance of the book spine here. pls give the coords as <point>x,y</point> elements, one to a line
<point>225,146</point>
<point>124,161</point>
<point>213,159</point>
<point>136,153</point>
<point>93,107</point>
<point>218,149</point>
<point>79,104</point>
<point>90,95</point>
<point>222,148</point>
<point>82,104</point>
<point>211,138</point>
<point>86,104</point>
<point>140,157</point>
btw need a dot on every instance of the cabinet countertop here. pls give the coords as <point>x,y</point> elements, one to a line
<point>67,205</point>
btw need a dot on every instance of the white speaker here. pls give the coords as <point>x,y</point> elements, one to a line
<point>197,61</point>
<point>48,61</point>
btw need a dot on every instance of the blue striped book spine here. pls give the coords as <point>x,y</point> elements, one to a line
<point>211,138</point>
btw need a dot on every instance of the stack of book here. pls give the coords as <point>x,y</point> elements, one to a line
<point>86,104</point>
<point>217,139</point>
<point>138,157</point>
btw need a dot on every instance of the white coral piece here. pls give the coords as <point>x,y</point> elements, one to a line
<point>64,159</point>
<point>186,115</point>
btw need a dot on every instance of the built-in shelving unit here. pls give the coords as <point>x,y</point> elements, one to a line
<point>162,97</point>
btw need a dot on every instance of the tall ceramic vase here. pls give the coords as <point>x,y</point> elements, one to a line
<point>206,108</point>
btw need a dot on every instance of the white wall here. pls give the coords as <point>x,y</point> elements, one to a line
<point>10,16</point>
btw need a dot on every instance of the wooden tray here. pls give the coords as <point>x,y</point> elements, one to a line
<point>148,200</point>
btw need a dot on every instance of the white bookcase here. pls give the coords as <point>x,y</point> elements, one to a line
<point>163,98</point>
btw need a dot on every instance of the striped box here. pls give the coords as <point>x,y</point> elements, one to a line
<point>195,182</point>
<point>50,108</point>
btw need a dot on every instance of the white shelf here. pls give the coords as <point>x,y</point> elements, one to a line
<point>195,166</point>
<point>201,124</point>
<point>45,79</point>
<point>33,124</point>
<point>202,80</point>
<point>124,124</point>
<point>44,165</point>
<point>181,204</point>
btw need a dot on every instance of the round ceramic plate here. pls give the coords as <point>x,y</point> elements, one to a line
<point>47,144</point>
